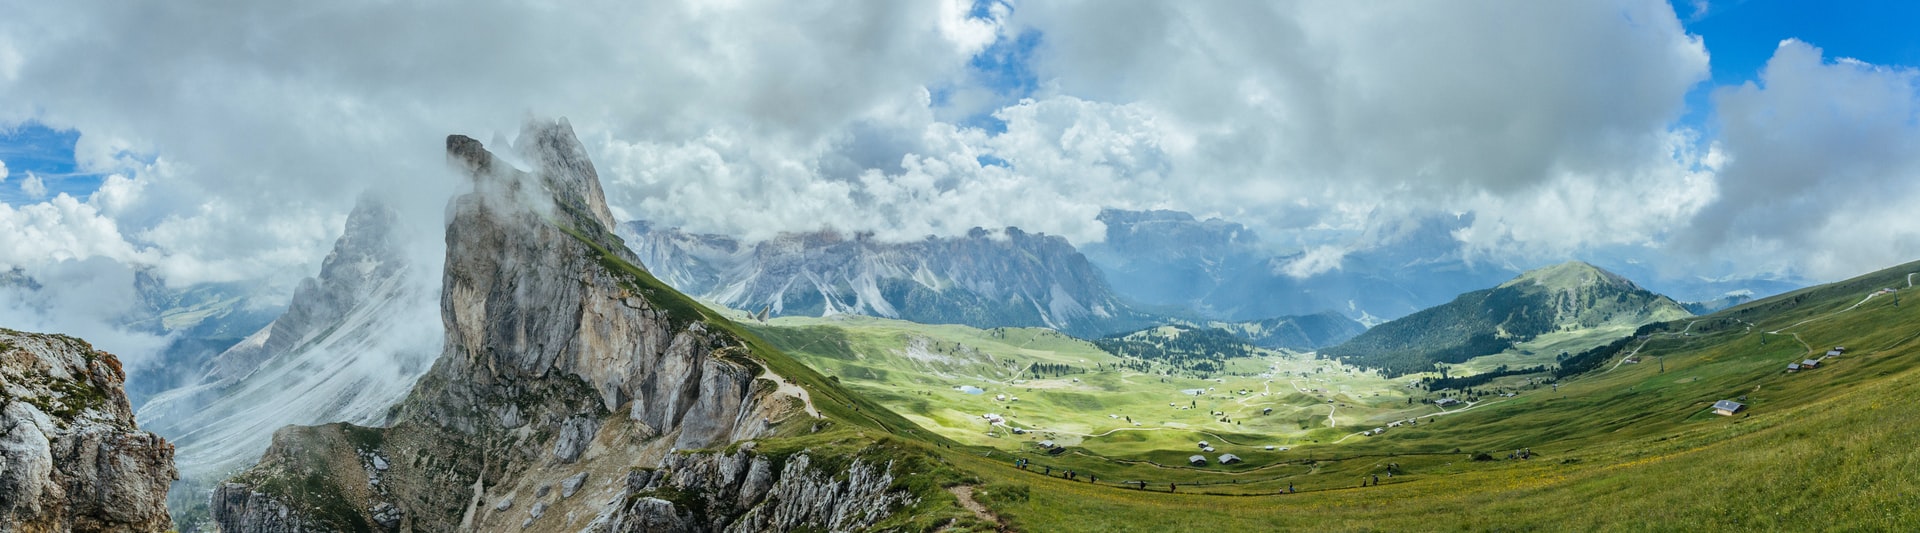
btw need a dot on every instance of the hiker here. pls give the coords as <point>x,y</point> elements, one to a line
<point>1049,470</point>
<point>1093,478</point>
<point>1173,487</point>
<point>1376,480</point>
<point>1290,488</point>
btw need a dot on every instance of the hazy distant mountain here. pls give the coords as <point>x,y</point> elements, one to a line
<point>204,320</point>
<point>1565,297</point>
<point>1304,332</point>
<point>197,321</point>
<point>349,345</point>
<point>1693,282</point>
<point>984,279</point>
<point>1709,306</point>
<point>1217,268</point>
<point>1170,258</point>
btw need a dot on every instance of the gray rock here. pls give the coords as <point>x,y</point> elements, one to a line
<point>71,456</point>
<point>574,437</point>
<point>572,484</point>
<point>754,498</point>
<point>239,508</point>
<point>504,504</point>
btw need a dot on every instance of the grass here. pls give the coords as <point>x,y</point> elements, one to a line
<point>1631,448</point>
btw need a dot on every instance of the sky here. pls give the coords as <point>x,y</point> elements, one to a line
<point>226,141</point>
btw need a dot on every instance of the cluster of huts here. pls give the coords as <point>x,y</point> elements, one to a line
<point>1201,460</point>
<point>1810,364</point>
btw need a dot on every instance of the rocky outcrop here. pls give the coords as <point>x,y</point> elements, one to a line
<point>561,358</point>
<point>71,457</point>
<point>746,492</point>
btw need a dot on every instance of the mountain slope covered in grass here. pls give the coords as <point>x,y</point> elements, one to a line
<point>1568,297</point>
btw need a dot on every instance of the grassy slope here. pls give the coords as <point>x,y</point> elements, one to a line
<point>1527,321</point>
<point>1628,448</point>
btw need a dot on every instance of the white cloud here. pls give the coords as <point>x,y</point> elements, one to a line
<point>84,298</point>
<point>33,187</point>
<point>236,136</point>
<point>62,229</point>
<point>3,171</point>
<point>1821,163</point>
<point>1315,261</point>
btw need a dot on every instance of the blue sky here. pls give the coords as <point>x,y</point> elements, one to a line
<point>48,153</point>
<point>1741,36</point>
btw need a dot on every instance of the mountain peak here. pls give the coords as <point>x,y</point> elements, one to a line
<point>1570,275</point>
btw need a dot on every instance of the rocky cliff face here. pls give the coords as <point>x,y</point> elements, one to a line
<point>746,492</point>
<point>71,457</point>
<point>565,367</point>
<point>988,278</point>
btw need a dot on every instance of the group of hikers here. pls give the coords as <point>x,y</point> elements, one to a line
<point>1391,467</point>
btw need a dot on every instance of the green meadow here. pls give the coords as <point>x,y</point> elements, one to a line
<point>1625,447</point>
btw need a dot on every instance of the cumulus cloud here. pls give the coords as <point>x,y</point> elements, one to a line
<point>33,186</point>
<point>3,171</point>
<point>270,118</point>
<point>235,136</point>
<point>1822,157</point>
<point>81,297</point>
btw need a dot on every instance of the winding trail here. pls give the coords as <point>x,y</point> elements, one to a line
<point>964,493</point>
<point>1643,344</point>
<point>1470,406</point>
<point>788,388</point>
<point>1330,421</point>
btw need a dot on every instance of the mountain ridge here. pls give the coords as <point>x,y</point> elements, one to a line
<point>1559,298</point>
<point>986,278</point>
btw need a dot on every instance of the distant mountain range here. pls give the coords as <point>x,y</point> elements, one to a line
<point>1219,269</point>
<point>1305,332</point>
<point>1570,296</point>
<point>987,278</point>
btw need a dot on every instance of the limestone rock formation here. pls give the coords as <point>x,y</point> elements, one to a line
<point>564,364</point>
<point>71,457</point>
<point>744,492</point>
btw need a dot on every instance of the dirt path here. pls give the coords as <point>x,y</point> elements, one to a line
<point>788,388</point>
<point>1643,344</point>
<point>964,493</point>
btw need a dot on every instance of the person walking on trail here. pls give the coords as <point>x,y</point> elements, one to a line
<point>1376,480</point>
<point>1173,487</point>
